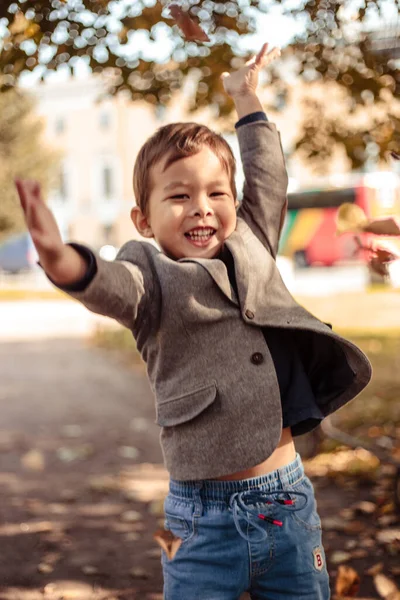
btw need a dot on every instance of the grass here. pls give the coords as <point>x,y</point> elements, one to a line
<point>118,340</point>
<point>12,295</point>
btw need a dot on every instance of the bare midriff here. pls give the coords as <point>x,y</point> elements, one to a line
<point>283,454</point>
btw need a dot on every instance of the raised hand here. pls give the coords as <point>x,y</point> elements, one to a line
<point>244,81</point>
<point>39,219</point>
<point>62,263</point>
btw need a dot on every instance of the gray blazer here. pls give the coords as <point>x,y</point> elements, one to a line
<point>215,386</point>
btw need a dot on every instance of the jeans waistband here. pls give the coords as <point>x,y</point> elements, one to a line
<point>221,491</point>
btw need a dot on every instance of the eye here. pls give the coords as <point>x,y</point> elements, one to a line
<point>179,197</point>
<point>218,194</point>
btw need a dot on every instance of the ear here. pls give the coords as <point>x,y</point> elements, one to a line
<point>237,203</point>
<point>141,222</point>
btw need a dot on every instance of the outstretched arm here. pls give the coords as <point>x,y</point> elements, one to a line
<point>264,194</point>
<point>114,289</point>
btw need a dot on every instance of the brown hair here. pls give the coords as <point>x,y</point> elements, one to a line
<point>177,141</point>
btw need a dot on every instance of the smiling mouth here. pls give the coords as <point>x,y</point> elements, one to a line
<point>200,236</point>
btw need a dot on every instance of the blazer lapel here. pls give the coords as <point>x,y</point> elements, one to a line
<point>218,272</point>
<point>235,244</point>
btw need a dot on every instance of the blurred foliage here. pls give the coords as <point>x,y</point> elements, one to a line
<point>337,46</point>
<point>378,404</point>
<point>23,154</point>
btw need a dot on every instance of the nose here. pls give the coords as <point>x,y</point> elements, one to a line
<point>201,206</point>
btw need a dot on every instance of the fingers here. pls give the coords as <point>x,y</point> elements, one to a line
<point>30,198</point>
<point>19,184</point>
<point>259,58</point>
<point>275,53</point>
<point>264,58</point>
<point>28,191</point>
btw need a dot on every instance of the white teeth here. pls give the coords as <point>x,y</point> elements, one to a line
<point>200,234</point>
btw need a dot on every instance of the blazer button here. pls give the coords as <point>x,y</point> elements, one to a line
<point>257,358</point>
<point>249,314</point>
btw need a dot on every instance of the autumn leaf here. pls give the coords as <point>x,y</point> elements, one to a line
<point>168,542</point>
<point>386,588</point>
<point>347,582</point>
<point>190,29</point>
<point>350,217</point>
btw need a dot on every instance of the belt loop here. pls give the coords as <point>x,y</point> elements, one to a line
<point>198,505</point>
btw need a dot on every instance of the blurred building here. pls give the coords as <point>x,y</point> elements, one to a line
<point>98,140</point>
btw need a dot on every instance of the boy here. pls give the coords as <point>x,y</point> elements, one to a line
<point>236,365</point>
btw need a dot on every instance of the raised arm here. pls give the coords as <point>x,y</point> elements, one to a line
<point>264,194</point>
<point>117,290</point>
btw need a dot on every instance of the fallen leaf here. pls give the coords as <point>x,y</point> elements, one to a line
<point>128,452</point>
<point>45,569</point>
<point>388,536</point>
<point>359,553</point>
<point>365,507</point>
<point>189,27</point>
<point>375,569</point>
<point>333,524</point>
<point>350,217</point>
<point>103,483</point>
<point>346,513</point>
<point>89,570</point>
<point>130,516</point>
<point>138,573</point>
<point>33,460</point>
<point>386,588</point>
<point>347,581</point>
<point>340,556</point>
<point>168,542</point>
<point>67,455</point>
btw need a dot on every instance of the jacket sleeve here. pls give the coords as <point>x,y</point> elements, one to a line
<point>120,289</point>
<point>264,201</point>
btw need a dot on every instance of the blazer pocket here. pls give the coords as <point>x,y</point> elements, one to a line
<point>185,408</point>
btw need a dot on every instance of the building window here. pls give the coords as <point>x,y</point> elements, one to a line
<point>59,125</point>
<point>108,234</point>
<point>105,120</point>
<point>107,182</point>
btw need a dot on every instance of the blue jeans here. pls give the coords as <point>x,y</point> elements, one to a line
<point>260,535</point>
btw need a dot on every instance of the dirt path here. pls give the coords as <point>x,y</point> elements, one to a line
<point>81,481</point>
<point>73,422</point>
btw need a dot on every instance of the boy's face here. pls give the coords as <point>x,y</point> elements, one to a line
<point>192,209</point>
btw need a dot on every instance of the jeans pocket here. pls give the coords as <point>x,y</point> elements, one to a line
<point>179,527</point>
<point>305,512</point>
